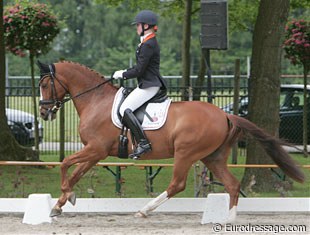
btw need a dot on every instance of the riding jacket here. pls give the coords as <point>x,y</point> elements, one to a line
<point>147,65</point>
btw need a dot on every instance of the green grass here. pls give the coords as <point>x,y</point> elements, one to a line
<point>17,181</point>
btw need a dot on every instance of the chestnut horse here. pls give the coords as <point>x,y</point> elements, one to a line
<point>193,131</point>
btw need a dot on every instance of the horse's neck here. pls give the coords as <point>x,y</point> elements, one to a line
<point>100,98</point>
<point>86,95</point>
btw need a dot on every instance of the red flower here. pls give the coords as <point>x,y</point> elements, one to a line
<point>296,43</point>
<point>22,24</point>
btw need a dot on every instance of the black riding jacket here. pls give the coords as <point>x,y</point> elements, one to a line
<point>147,68</point>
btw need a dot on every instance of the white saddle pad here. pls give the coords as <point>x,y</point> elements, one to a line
<point>157,111</point>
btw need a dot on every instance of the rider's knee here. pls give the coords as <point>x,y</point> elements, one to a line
<point>123,110</point>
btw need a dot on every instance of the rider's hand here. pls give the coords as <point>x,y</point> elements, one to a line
<point>118,74</point>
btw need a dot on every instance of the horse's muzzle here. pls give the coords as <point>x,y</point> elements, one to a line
<point>47,114</point>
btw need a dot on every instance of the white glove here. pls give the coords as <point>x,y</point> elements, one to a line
<point>118,74</point>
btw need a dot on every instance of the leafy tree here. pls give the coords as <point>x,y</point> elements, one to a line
<point>183,10</point>
<point>297,49</point>
<point>9,148</point>
<point>30,27</point>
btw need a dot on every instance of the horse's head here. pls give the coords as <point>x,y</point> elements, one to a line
<point>52,91</point>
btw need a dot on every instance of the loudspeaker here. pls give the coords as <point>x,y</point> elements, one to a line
<point>214,24</point>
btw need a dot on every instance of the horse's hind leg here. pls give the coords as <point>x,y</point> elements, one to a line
<point>177,184</point>
<point>217,164</point>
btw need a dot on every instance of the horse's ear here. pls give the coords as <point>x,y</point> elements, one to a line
<point>43,67</point>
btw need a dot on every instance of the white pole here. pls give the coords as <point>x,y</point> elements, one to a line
<point>7,82</point>
<point>248,66</point>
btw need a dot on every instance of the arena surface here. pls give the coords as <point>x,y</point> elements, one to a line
<point>156,223</point>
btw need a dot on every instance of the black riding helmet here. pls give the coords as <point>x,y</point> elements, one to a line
<point>146,17</point>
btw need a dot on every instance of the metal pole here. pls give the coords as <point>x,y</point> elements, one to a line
<point>62,135</point>
<point>236,105</point>
<point>118,176</point>
<point>206,53</point>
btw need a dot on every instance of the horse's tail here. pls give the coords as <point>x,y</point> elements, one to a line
<point>271,145</point>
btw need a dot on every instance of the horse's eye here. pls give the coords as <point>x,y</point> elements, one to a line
<point>44,85</point>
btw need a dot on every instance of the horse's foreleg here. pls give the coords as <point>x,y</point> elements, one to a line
<point>176,185</point>
<point>87,158</point>
<point>77,174</point>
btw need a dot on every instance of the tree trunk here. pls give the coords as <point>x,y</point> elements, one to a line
<point>34,103</point>
<point>186,50</point>
<point>264,87</point>
<point>9,148</point>
<point>200,79</point>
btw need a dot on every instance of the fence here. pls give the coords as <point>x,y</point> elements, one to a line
<point>18,97</point>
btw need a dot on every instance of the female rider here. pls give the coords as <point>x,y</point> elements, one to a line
<point>147,72</point>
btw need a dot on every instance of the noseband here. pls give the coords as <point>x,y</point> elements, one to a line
<point>55,101</point>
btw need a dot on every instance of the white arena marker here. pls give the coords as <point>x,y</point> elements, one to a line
<point>217,209</point>
<point>38,208</point>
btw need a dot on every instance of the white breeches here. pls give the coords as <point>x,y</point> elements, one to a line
<point>137,98</point>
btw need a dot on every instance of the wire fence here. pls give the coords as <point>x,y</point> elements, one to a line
<point>18,97</point>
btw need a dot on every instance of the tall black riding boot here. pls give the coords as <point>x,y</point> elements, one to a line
<point>133,124</point>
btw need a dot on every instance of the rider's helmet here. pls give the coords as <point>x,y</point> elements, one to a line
<point>146,17</point>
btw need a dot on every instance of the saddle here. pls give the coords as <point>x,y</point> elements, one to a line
<point>140,113</point>
<point>151,115</point>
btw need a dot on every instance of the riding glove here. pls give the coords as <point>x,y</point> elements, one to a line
<point>118,74</point>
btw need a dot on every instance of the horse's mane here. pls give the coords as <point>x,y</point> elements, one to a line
<point>83,67</point>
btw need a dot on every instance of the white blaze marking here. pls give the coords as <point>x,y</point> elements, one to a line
<point>41,96</point>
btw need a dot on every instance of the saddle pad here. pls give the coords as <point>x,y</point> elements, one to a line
<point>158,112</point>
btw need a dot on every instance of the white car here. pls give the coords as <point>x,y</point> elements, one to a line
<point>22,126</point>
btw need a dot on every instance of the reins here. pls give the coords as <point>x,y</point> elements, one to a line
<point>84,92</point>
<point>59,103</point>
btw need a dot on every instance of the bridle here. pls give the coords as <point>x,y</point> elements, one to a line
<point>54,100</point>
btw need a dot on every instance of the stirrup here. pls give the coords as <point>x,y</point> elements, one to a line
<point>142,148</point>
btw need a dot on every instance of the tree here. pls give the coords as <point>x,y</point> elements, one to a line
<point>186,42</point>
<point>9,148</point>
<point>297,49</point>
<point>30,27</point>
<point>264,85</point>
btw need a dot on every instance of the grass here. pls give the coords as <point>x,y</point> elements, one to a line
<point>17,181</point>
<point>22,181</point>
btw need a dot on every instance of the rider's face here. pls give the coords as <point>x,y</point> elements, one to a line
<point>139,28</point>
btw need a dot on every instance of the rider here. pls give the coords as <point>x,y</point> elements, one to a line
<point>147,72</point>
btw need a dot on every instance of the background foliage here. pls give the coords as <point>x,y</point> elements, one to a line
<point>100,36</point>
<point>29,27</point>
<point>297,42</point>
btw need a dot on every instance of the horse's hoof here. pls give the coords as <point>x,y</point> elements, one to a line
<point>72,198</point>
<point>55,212</point>
<point>139,214</point>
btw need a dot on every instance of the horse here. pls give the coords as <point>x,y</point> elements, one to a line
<point>194,131</point>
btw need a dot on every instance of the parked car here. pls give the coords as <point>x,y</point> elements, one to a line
<point>22,127</point>
<point>291,112</point>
